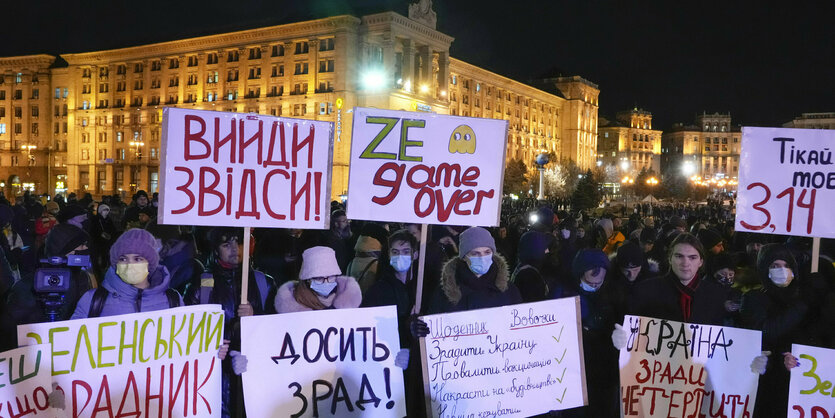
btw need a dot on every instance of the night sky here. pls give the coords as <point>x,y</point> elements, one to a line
<point>764,62</point>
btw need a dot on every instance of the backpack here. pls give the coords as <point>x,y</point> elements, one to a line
<point>100,296</point>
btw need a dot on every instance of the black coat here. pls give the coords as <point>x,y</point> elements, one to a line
<point>460,290</point>
<point>389,290</point>
<point>659,298</point>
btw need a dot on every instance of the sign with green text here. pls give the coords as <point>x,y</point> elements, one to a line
<point>811,392</point>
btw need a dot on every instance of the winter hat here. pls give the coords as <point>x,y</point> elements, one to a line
<point>63,238</point>
<point>588,259</point>
<point>377,232</point>
<point>140,193</point>
<point>136,241</point>
<point>648,235</point>
<point>709,238</point>
<point>532,247</point>
<point>102,206</point>
<point>52,207</point>
<point>546,216</point>
<point>319,262</point>
<point>719,262</point>
<point>473,238</point>
<point>770,252</point>
<point>630,255</point>
<point>6,215</point>
<point>677,222</point>
<point>607,226</point>
<point>69,212</point>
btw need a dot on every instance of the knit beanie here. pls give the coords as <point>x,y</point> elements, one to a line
<point>648,235</point>
<point>630,255</point>
<point>69,212</point>
<point>588,259</point>
<point>63,238</point>
<point>719,262</point>
<point>136,241</point>
<point>532,247</point>
<point>709,238</point>
<point>319,262</point>
<point>473,238</point>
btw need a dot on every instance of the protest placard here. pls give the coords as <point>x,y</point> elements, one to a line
<point>241,170</point>
<point>323,363</point>
<point>516,361</point>
<point>426,168</point>
<point>25,381</point>
<point>160,363</point>
<point>785,179</point>
<point>811,393</point>
<point>676,369</point>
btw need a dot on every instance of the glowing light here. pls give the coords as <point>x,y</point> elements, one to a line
<point>373,80</point>
<point>599,163</point>
<point>687,168</point>
<point>534,218</point>
<point>407,85</point>
<point>443,93</point>
<point>424,88</point>
<point>624,165</point>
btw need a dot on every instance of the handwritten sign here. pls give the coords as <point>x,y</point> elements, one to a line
<point>425,168</point>
<point>159,363</point>
<point>675,369</point>
<point>237,169</point>
<point>323,363</point>
<point>25,381</point>
<point>515,361</point>
<point>811,392</point>
<point>786,177</point>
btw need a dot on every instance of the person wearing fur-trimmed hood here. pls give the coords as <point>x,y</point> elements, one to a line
<point>321,285</point>
<point>477,278</point>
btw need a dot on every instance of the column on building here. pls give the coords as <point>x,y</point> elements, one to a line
<point>425,66</point>
<point>443,70</point>
<point>407,66</point>
<point>313,71</point>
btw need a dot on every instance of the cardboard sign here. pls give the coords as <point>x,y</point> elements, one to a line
<point>516,361</point>
<point>786,182</point>
<point>25,381</point>
<point>425,168</point>
<point>334,362</point>
<point>235,169</point>
<point>161,363</point>
<point>811,392</point>
<point>675,369</point>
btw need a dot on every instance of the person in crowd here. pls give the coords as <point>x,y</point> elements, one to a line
<point>711,241</point>
<point>338,237</point>
<point>478,278</point>
<point>433,263</point>
<point>370,251</point>
<point>177,254</point>
<point>25,305</point>
<point>140,204</point>
<point>631,267</point>
<point>46,221</point>
<point>721,268</point>
<point>568,243</point>
<point>780,311</point>
<point>529,276</point>
<point>647,240</point>
<point>104,234</point>
<point>612,238</point>
<point>601,307</point>
<point>321,285</point>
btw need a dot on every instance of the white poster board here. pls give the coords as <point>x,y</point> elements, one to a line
<point>676,369</point>
<point>334,362</point>
<point>786,182</point>
<point>158,363</point>
<point>515,361</point>
<point>239,169</point>
<point>811,387</point>
<point>25,381</point>
<point>426,168</point>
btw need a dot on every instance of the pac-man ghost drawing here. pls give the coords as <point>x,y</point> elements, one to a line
<point>462,140</point>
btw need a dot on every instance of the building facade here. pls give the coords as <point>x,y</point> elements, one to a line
<point>629,143</point>
<point>821,120</point>
<point>108,104</point>
<point>709,149</point>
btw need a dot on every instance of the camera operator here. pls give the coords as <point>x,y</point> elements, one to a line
<point>53,290</point>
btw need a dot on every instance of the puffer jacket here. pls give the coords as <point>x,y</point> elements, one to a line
<point>125,299</point>
<point>461,290</point>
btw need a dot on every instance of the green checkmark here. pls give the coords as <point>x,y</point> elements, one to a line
<point>563,395</point>
<point>557,339</point>
<point>559,360</point>
<point>559,379</point>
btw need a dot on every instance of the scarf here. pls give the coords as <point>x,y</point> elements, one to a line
<point>686,294</point>
<point>307,297</point>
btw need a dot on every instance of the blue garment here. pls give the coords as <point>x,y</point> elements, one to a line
<point>125,299</point>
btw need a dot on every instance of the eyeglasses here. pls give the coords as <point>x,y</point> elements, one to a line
<point>323,280</point>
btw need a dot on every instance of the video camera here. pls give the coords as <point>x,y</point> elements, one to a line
<point>52,283</point>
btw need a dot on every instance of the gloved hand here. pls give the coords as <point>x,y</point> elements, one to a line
<point>790,361</point>
<point>418,328</point>
<point>619,337</point>
<point>56,398</point>
<point>760,363</point>
<point>245,309</point>
<point>223,350</point>
<point>239,362</point>
<point>401,360</point>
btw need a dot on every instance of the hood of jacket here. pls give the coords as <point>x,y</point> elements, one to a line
<point>451,287</point>
<point>348,296</point>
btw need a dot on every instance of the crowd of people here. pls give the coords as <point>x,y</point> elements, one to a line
<point>681,262</point>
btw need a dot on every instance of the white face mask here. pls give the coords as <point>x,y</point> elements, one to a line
<point>781,276</point>
<point>323,289</point>
<point>400,263</point>
<point>565,233</point>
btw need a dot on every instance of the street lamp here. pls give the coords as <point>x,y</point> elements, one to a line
<point>541,160</point>
<point>137,159</point>
<point>626,180</point>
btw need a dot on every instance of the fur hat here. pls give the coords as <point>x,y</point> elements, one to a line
<point>63,238</point>
<point>588,259</point>
<point>136,241</point>
<point>319,262</point>
<point>473,238</point>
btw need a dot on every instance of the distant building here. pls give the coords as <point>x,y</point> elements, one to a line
<point>629,143</point>
<point>823,120</point>
<point>708,149</point>
<point>93,124</point>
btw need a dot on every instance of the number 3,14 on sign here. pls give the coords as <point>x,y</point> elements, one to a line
<point>784,175</point>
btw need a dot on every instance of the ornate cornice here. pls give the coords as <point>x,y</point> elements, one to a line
<point>239,39</point>
<point>408,24</point>
<point>469,70</point>
<point>40,60</point>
